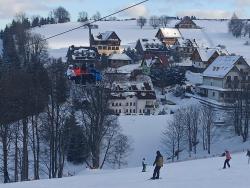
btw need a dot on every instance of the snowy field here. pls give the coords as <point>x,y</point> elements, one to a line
<point>213,33</point>
<point>203,173</point>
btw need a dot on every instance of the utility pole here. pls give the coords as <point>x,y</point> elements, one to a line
<point>90,33</point>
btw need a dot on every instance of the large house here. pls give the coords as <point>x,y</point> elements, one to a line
<point>133,98</point>
<point>224,78</point>
<point>187,23</point>
<point>106,43</point>
<point>203,57</point>
<point>152,49</point>
<point>168,36</point>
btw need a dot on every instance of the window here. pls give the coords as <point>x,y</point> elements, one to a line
<point>134,103</point>
<point>211,83</point>
<point>99,47</point>
<point>113,104</point>
<point>130,111</point>
<point>228,78</point>
<point>131,103</point>
<point>116,104</point>
<point>120,104</point>
<point>120,111</point>
<point>140,110</point>
<point>213,94</point>
<point>109,48</point>
<point>222,95</point>
<point>113,48</point>
<point>105,47</point>
<point>126,110</point>
<point>117,47</point>
<point>235,77</point>
<point>127,104</point>
<point>134,111</point>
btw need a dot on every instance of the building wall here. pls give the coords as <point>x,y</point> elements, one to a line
<point>102,49</point>
<point>132,105</point>
<point>209,81</point>
<point>212,94</point>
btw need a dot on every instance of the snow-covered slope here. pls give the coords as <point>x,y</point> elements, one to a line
<point>212,34</point>
<point>203,173</point>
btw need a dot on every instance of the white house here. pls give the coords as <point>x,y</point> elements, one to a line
<point>224,78</point>
<point>133,98</point>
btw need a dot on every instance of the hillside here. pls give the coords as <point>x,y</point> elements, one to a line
<point>203,173</point>
<point>213,33</point>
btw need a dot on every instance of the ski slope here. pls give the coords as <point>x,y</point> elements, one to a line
<point>213,33</point>
<point>203,173</point>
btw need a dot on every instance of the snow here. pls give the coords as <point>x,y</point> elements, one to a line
<point>206,53</point>
<point>198,35</point>
<point>221,66</point>
<point>151,43</point>
<point>128,68</point>
<point>170,32</point>
<point>194,78</point>
<point>120,57</point>
<point>104,36</point>
<point>203,173</point>
<point>212,34</point>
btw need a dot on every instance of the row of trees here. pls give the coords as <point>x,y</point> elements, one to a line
<point>41,125</point>
<point>239,27</point>
<point>154,21</point>
<point>190,126</point>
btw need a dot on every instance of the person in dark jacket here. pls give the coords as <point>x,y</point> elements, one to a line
<point>144,165</point>
<point>158,163</point>
<point>248,155</point>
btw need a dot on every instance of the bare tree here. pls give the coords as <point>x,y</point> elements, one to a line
<point>141,21</point>
<point>207,120</point>
<point>164,20</point>
<point>154,21</point>
<point>83,16</point>
<point>61,15</point>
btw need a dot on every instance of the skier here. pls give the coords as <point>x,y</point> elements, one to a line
<point>158,164</point>
<point>248,155</point>
<point>144,165</point>
<point>228,158</point>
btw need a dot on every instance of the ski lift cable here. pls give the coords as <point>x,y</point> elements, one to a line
<point>89,23</point>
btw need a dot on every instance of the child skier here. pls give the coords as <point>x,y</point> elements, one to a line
<point>144,165</point>
<point>228,158</point>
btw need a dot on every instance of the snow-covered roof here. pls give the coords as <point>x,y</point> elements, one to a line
<point>104,36</point>
<point>170,32</point>
<point>123,56</point>
<point>221,66</point>
<point>206,53</point>
<point>198,35</point>
<point>151,43</point>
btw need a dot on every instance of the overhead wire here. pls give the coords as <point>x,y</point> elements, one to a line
<point>89,23</point>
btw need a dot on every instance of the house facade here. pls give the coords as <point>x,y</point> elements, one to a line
<point>225,78</point>
<point>133,98</point>
<point>187,23</point>
<point>202,57</point>
<point>106,43</point>
<point>168,36</point>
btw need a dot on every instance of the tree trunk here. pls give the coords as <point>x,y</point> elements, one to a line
<point>25,159</point>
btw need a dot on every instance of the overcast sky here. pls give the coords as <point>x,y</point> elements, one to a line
<point>200,8</point>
